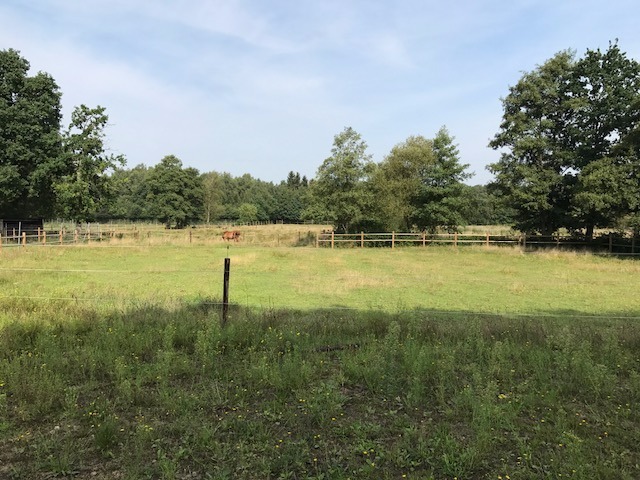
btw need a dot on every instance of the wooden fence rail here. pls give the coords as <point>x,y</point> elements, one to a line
<point>611,243</point>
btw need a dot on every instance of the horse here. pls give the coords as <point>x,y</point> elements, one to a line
<point>229,235</point>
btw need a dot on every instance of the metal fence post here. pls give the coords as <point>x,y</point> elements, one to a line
<point>225,291</point>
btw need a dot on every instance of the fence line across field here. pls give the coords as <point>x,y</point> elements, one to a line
<point>612,244</point>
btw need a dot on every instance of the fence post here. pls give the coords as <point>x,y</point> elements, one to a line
<point>524,241</point>
<point>361,239</point>
<point>24,239</point>
<point>332,238</point>
<point>225,292</point>
<point>393,239</point>
<point>610,242</point>
<point>75,236</point>
<point>455,239</point>
<point>424,238</point>
<point>317,239</point>
<point>60,235</point>
<point>38,234</point>
<point>487,239</point>
<point>190,237</point>
<point>44,237</point>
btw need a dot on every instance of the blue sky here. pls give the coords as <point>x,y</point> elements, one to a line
<point>262,86</point>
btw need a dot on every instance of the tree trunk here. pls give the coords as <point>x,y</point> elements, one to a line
<point>589,232</point>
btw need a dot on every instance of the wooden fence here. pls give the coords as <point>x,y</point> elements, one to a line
<point>611,243</point>
<point>56,237</point>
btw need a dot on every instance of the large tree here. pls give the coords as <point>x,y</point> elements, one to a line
<point>174,193</point>
<point>340,189</point>
<point>560,122</point>
<point>212,196</point>
<point>439,200</point>
<point>29,139</point>
<point>532,171</point>
<point>86,184</point>
<point>398,179</point>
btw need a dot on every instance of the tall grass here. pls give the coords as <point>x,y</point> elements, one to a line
<point>167,393</point>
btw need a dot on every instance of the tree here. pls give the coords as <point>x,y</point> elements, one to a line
<point>86,183</point>
<point>174,193</point>
<point>605,96</point>
<point>340,188</point>
<point>558,120</point>
<point>398,179</point>
<point>212,196</point>
<point>29,139</point>
<point>608,188</point>
<point>130,194</point>
<point>531,172</point>
<point>291,198</point>
<point>247,213</point>
<point>484,208</point>
<point>439,199</point>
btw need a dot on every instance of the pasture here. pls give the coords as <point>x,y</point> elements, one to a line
<point>412,363</point>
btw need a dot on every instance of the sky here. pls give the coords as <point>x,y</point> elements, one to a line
<point>263,86</point>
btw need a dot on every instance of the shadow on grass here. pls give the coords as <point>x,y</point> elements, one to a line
<point>153,391</point>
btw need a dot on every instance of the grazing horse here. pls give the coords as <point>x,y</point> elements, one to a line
<point>229,235</point>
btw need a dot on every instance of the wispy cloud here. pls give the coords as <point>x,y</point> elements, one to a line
<point>258,87</point>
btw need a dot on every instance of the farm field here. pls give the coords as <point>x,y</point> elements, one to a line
<point>413,363</point>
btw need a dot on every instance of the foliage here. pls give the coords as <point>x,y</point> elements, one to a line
<point>174,193</point>
<point>398,179</point>
<point>247,213</point>
<point>482,207</point>
<point>340,188</point>
<point>560,123</point>
<point>212,196</point>
<point>439,201</point>
<point>86,183</point>
<point>29,139</point>
<point>130,198</point>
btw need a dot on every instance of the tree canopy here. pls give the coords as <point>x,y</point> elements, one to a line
<point>174,193</point>
<point>30,143</point>
<point>340,188</point>
<point>86,182</point>
<point>44,171</point>
<point>567,138</point>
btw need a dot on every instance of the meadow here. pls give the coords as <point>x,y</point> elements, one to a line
<point>349,363</point>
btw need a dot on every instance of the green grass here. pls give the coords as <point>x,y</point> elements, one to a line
<point>476,280</point>
<point>129,374</point>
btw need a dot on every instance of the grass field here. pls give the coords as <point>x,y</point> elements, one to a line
<point>413,363</point>
<point>478,280</point>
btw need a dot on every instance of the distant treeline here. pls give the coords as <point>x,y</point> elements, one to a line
<point>179,196</point>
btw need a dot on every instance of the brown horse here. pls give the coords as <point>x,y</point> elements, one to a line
<point>229,235</point>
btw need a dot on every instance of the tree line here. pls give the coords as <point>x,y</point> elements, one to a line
<point>349,191</point>
<point>569,142</point>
